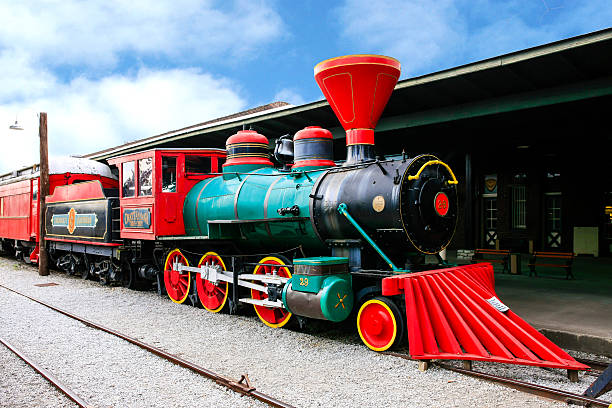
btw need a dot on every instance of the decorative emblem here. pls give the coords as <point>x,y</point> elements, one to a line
<point>441,204</point>
<point>491,183</point>
<point>378,203</point>
<point>340,301</point>
<point>71,220</point>
<point>74,220</point>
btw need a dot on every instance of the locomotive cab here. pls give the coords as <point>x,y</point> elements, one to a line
<point>153,185</point>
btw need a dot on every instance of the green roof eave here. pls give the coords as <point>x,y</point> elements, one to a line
<point>515,102</point>
<point>511,58</point>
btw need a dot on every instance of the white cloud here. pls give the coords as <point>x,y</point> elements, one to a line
<point>85,63</point>
<point>415,32</point>
<point>427,36</point>
<point>99,33</point>
<point>289,95</point>
<point>86,116</point>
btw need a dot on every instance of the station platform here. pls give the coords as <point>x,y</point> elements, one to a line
<point>575,314</point>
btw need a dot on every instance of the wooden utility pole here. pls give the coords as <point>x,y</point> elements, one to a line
<point>43,192</point>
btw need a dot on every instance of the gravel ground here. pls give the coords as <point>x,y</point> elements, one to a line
<point>303,369</point>
<point>22,387</point>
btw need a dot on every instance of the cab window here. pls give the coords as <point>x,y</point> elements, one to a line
<point>168,174</point>
<point>197,164</point>
<point>145,177</point>
<point>128,179</point>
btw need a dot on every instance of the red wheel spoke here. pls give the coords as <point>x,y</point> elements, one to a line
<point>213,296</point>
<point>271,316</point>
<point>177,283</point>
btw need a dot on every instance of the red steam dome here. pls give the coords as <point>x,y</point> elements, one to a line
<point>246,148</point>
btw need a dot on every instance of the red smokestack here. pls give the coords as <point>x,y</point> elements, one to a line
<point>357,88</point>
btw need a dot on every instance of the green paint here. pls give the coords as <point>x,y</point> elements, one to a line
<point>217,208</point>
<point>307,283</point>
<point>337,297</point>
<point>335,294</point>
<point>321,260</point>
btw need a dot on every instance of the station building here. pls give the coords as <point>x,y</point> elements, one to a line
<point>527,134</point>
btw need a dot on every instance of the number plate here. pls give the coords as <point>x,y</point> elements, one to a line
<point>496,303</point>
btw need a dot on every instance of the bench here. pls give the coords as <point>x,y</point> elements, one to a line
<point>500,256</point>
<point>552,260</point>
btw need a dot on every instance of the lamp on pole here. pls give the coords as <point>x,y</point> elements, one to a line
<point>43,191</point>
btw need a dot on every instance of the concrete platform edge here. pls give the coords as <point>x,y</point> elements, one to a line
<point>579,342</point>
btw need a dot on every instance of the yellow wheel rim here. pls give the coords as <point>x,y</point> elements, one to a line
<point>204,288</point>
<point>266,314</point>
<point>177,284</point>
<point>376,325</point>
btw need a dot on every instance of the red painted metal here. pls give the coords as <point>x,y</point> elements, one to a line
<point>212,296</point>
<point>177,283</point>
<point>455,314</point>
<point>166,208</point>
<point>270,316</point>
<point>247,147</point>
<point>313,163</point>
<point>359,136</point>
<point>314,134</point>
<point>358,88</point>
<point>19,202</point>
<point>90,190</point>
<point>441,204</point>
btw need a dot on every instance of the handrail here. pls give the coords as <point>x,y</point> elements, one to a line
<point>343,209</point>
<point>429,163</point>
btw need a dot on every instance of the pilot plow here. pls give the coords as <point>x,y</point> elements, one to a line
<point>454,313</point>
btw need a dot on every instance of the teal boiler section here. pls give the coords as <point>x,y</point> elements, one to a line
<point>244,207</point>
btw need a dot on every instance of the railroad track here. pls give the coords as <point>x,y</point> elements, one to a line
<point>531,388</point>
<point>46,374</point>
<point>241,386</point>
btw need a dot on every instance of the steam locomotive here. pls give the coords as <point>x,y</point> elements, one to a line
<point>308,239</point>
<point>311,238</point>
<point>225,228</point>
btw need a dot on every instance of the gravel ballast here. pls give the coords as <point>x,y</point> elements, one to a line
<point>306,370</point>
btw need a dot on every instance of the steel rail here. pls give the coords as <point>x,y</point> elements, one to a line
<point>47,375</point>
<point>241,386</point>
<point>531,388</point>
<point>540,390</point>
<point>594,364</point>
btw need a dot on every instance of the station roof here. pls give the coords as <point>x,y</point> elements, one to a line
<point>569,70</point>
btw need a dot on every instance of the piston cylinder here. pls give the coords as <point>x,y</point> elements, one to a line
<point>320,288</point>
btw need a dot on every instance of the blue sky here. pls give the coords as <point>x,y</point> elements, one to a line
<point>112,71</point>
